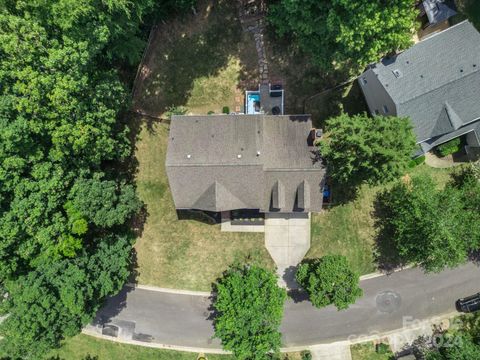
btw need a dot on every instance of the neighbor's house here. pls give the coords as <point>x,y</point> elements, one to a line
<point>436,83</point>
<point>262,162</point>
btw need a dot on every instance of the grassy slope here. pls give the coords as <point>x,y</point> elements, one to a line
<point>182,254</point>
<point>348,229</point>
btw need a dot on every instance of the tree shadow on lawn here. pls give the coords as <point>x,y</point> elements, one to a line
<point>386,254</point>
<point>190,48</point>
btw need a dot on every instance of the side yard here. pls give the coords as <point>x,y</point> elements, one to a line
<point>184,254</point>
<point>348,229</point>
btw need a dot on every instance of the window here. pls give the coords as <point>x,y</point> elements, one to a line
<point>385,109</point>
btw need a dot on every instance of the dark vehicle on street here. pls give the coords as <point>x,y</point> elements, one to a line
<point>469,304</point>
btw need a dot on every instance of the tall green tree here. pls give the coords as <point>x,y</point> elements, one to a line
<point>329,280</point>
<point>64,238</point>
<point>363,149</point>
<point>337,32</point>
<point>429,227</point>
<point>249,310</point>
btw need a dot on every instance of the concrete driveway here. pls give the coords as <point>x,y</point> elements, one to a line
<point>287,239</point>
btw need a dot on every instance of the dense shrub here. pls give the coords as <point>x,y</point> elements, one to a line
<point>174,110</point>
<point>417,161</point>
<point>306,355</point>
<point>329,280</point>
<point>226,110</point>
<point>449,147</point>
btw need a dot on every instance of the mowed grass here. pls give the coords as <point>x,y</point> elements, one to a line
<point>182,254</point>
<point>366,351</point>
<point>82,346</point>
<point>348,229</point>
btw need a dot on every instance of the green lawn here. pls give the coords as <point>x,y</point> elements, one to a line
<point>82,346</point>
<point>182,254</point>
<point>366,351</point>
<point>348,229</point>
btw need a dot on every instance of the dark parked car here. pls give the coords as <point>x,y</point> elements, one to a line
<point>469,304</point>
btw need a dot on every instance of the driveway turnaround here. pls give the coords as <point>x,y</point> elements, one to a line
<point>389,303</point>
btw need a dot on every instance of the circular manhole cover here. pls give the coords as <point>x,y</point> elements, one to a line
<point>388,301</point>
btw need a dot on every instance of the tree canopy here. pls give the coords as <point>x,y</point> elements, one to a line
<point>329,280</point>
<point>64,204</point>
<point>343,31</point>
<point>363,149</point>
<point>249,307</point>
<point>430,227</point>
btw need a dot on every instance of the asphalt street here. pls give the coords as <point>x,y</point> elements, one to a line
<point>388,303</point>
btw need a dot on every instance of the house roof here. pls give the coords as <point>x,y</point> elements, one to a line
<point>226,162</point>
<point>437,81</point>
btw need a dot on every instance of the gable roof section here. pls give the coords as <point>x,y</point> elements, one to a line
<point>437,81</point>
<point>226,162</point>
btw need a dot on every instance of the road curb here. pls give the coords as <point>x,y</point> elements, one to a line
<point>155,345</point>
<point>169,290</point>
<point>357,340</point>
<point>379,274</point>
<point>208,294</point>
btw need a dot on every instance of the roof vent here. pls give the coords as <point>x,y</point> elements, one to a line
<point>258,153</point>
<point>397,73</point>
<point>189,156</point>
<point>239,156</point>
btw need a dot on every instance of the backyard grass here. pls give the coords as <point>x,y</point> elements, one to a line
<point>348,229</point>
<point>183,254</point>
<point>83,347</point>
<point>366,351</point>
<point>197,61</point>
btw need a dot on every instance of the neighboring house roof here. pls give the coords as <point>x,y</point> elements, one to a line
<point>439,10</point>
<point>227,162</point>
<point>436,82</point>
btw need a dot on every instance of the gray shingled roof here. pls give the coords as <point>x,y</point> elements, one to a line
<point>226,162</point>
<point>437,81</point>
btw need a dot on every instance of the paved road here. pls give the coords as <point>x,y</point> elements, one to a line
<point>182,320</point>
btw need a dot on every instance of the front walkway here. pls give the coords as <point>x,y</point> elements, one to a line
<point>444,162</point>
<point>334,351</point>
<point>287,239</point>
